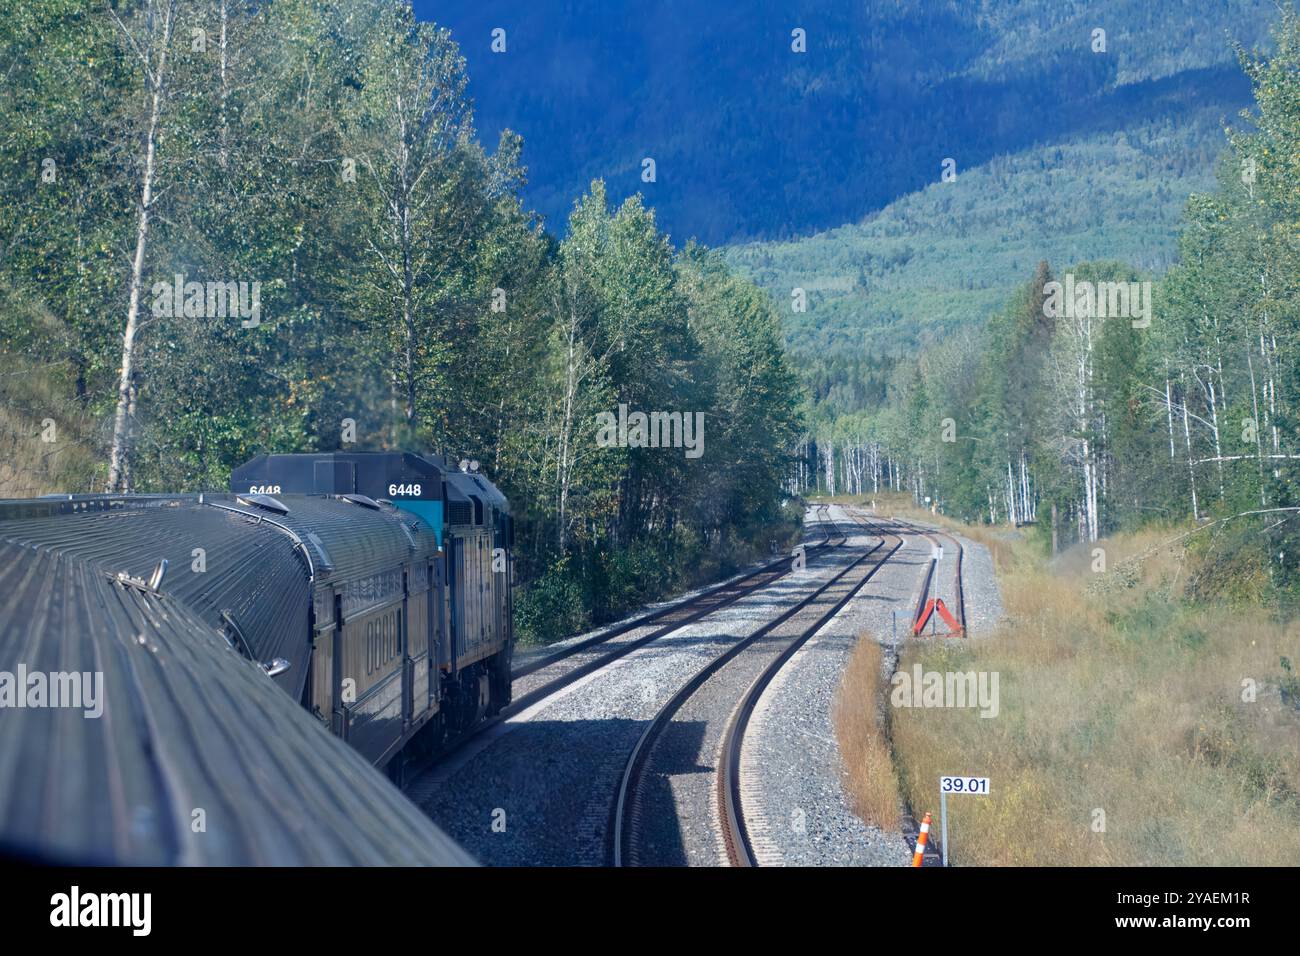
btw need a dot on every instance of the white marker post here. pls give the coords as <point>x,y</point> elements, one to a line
<point>976,785</point>
<point>936,552</point>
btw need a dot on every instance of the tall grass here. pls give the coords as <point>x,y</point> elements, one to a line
<point>1126,734</point>
<point>861,721</point>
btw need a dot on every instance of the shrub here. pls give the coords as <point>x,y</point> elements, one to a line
<point>552,607</point>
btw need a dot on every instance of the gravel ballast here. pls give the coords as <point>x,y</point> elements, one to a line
<point>796,808</point>
<point>539,787</point>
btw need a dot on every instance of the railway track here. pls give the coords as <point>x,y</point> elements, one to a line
<point>537,680</point>
<point>959,593</point>
<point>677,615</point>
<point>780,639</point>
<point>730,810</point>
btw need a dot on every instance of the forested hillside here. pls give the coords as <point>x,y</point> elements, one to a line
<point>232,227</point>
<point>1099,399</point>
<point>1076,131</point>
<point>753,139</point>
<point>946,257</point>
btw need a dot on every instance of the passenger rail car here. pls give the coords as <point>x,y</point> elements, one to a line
<point>374,588</point>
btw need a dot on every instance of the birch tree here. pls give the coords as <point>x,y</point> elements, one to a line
<point>148,37</point>
<point>410,139</point>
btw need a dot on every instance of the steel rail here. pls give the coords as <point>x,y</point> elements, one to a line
<point>696,608</point>
<point>647,619</point>
<point>740,852</point>
<point>624,807</point>
<point>959,590</point>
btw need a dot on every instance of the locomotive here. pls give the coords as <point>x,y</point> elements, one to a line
<point>254,655</point>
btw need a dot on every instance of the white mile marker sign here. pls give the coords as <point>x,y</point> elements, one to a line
<point>979,786</point>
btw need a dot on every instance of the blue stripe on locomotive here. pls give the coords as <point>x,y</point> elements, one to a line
<point>428,511</point>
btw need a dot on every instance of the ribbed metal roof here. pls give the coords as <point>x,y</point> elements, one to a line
<point>345,540</point>
<point>187,725</point>
<point>245,568</point>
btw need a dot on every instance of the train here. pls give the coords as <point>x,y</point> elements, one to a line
<point>406,573</point>
<point>370,591</point>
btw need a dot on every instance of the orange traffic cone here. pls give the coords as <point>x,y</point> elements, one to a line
<point>921,838</point>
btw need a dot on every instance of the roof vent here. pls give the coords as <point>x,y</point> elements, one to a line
<point>276,667</point>
<point>363,500</point>
<point>265,502</point>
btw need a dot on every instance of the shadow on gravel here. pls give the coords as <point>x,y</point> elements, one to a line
<point>661,841</point>
<point>542,795</point>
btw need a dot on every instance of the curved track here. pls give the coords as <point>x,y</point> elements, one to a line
<point>739,849</point>
<point>677,615</point>
<point>788,631</point>
<point>543,678</point>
